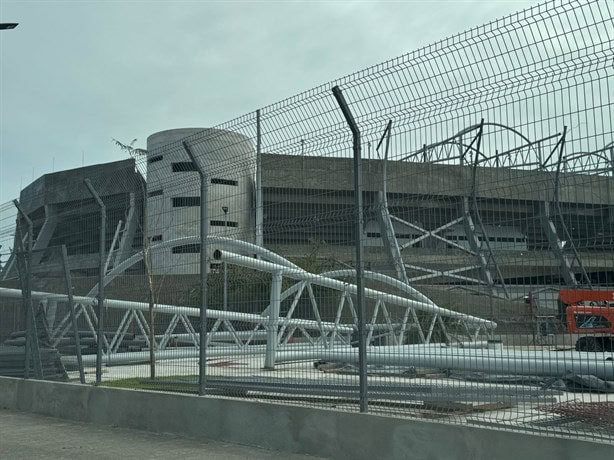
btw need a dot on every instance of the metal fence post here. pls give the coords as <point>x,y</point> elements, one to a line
<point>26,283</point>
<point>225,266</point>
<point>100,330</point>
<point>204,221</point>
<point>71,308</point>
<point>358,226</point>
<point>259,210</point>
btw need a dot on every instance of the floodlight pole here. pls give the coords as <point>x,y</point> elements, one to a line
<point>358,226</point>
<point>204,221</point>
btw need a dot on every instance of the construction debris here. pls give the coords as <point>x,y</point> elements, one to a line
<point>599,414</point>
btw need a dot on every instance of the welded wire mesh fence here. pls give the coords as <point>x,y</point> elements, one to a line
<point>488,241</point>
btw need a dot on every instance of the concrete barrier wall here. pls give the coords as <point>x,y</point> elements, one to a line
<point>329,434</point>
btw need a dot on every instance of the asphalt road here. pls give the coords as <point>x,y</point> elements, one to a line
<point>29,436</point>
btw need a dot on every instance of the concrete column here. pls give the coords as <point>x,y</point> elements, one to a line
<point>389,239</point>
<point>556,245</point>
<point>125,242</point>
<point>52,308</point>
<point>475,245</point>
<point>44,235</point>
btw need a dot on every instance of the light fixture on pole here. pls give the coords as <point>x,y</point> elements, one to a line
<point>8,25</point>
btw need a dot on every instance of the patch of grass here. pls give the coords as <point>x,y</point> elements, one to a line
<point>176,383</point>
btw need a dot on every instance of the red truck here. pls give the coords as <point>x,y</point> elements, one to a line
<point>590,313</point>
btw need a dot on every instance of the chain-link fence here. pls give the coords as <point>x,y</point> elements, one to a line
<point>467,276</point>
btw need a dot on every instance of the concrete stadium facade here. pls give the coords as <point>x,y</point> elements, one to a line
<point>308,200</point>
<point>173,184</point>
<point>302,205</point>
<point>63,212</point>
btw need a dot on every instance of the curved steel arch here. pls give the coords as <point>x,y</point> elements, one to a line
<point>300,286</point>
<point>330,333</point>
<point>608,160</point>
<point>498,125</point>
<point>453,139</point>
<point>596,153</point>
<point>375,276</point>
<point>227,243</point>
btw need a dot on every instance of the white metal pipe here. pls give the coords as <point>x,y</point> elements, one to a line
<point>173,309</point>
<point>273,321</point>
<point>376,276</point>
<point>467,350</point>
<point>488,361</point>
<point>299,274</point>
<point>176,353</point>
<point>304,351</point>
<point>232,243</point>
<point>179,353</point>
<point>298,352</point>
<point>219,335</point>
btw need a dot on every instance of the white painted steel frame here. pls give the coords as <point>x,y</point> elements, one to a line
<point>277,330</point>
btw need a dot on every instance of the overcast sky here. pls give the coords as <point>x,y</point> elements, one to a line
<point>75,74</point>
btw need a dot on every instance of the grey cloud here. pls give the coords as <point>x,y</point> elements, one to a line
<point>76,74</point>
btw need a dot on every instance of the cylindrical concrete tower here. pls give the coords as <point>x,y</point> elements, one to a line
<point>173,189</point>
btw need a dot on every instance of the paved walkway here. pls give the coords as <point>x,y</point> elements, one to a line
<point>29,436</point>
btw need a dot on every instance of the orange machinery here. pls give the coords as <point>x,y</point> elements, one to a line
<point>590,313</point>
